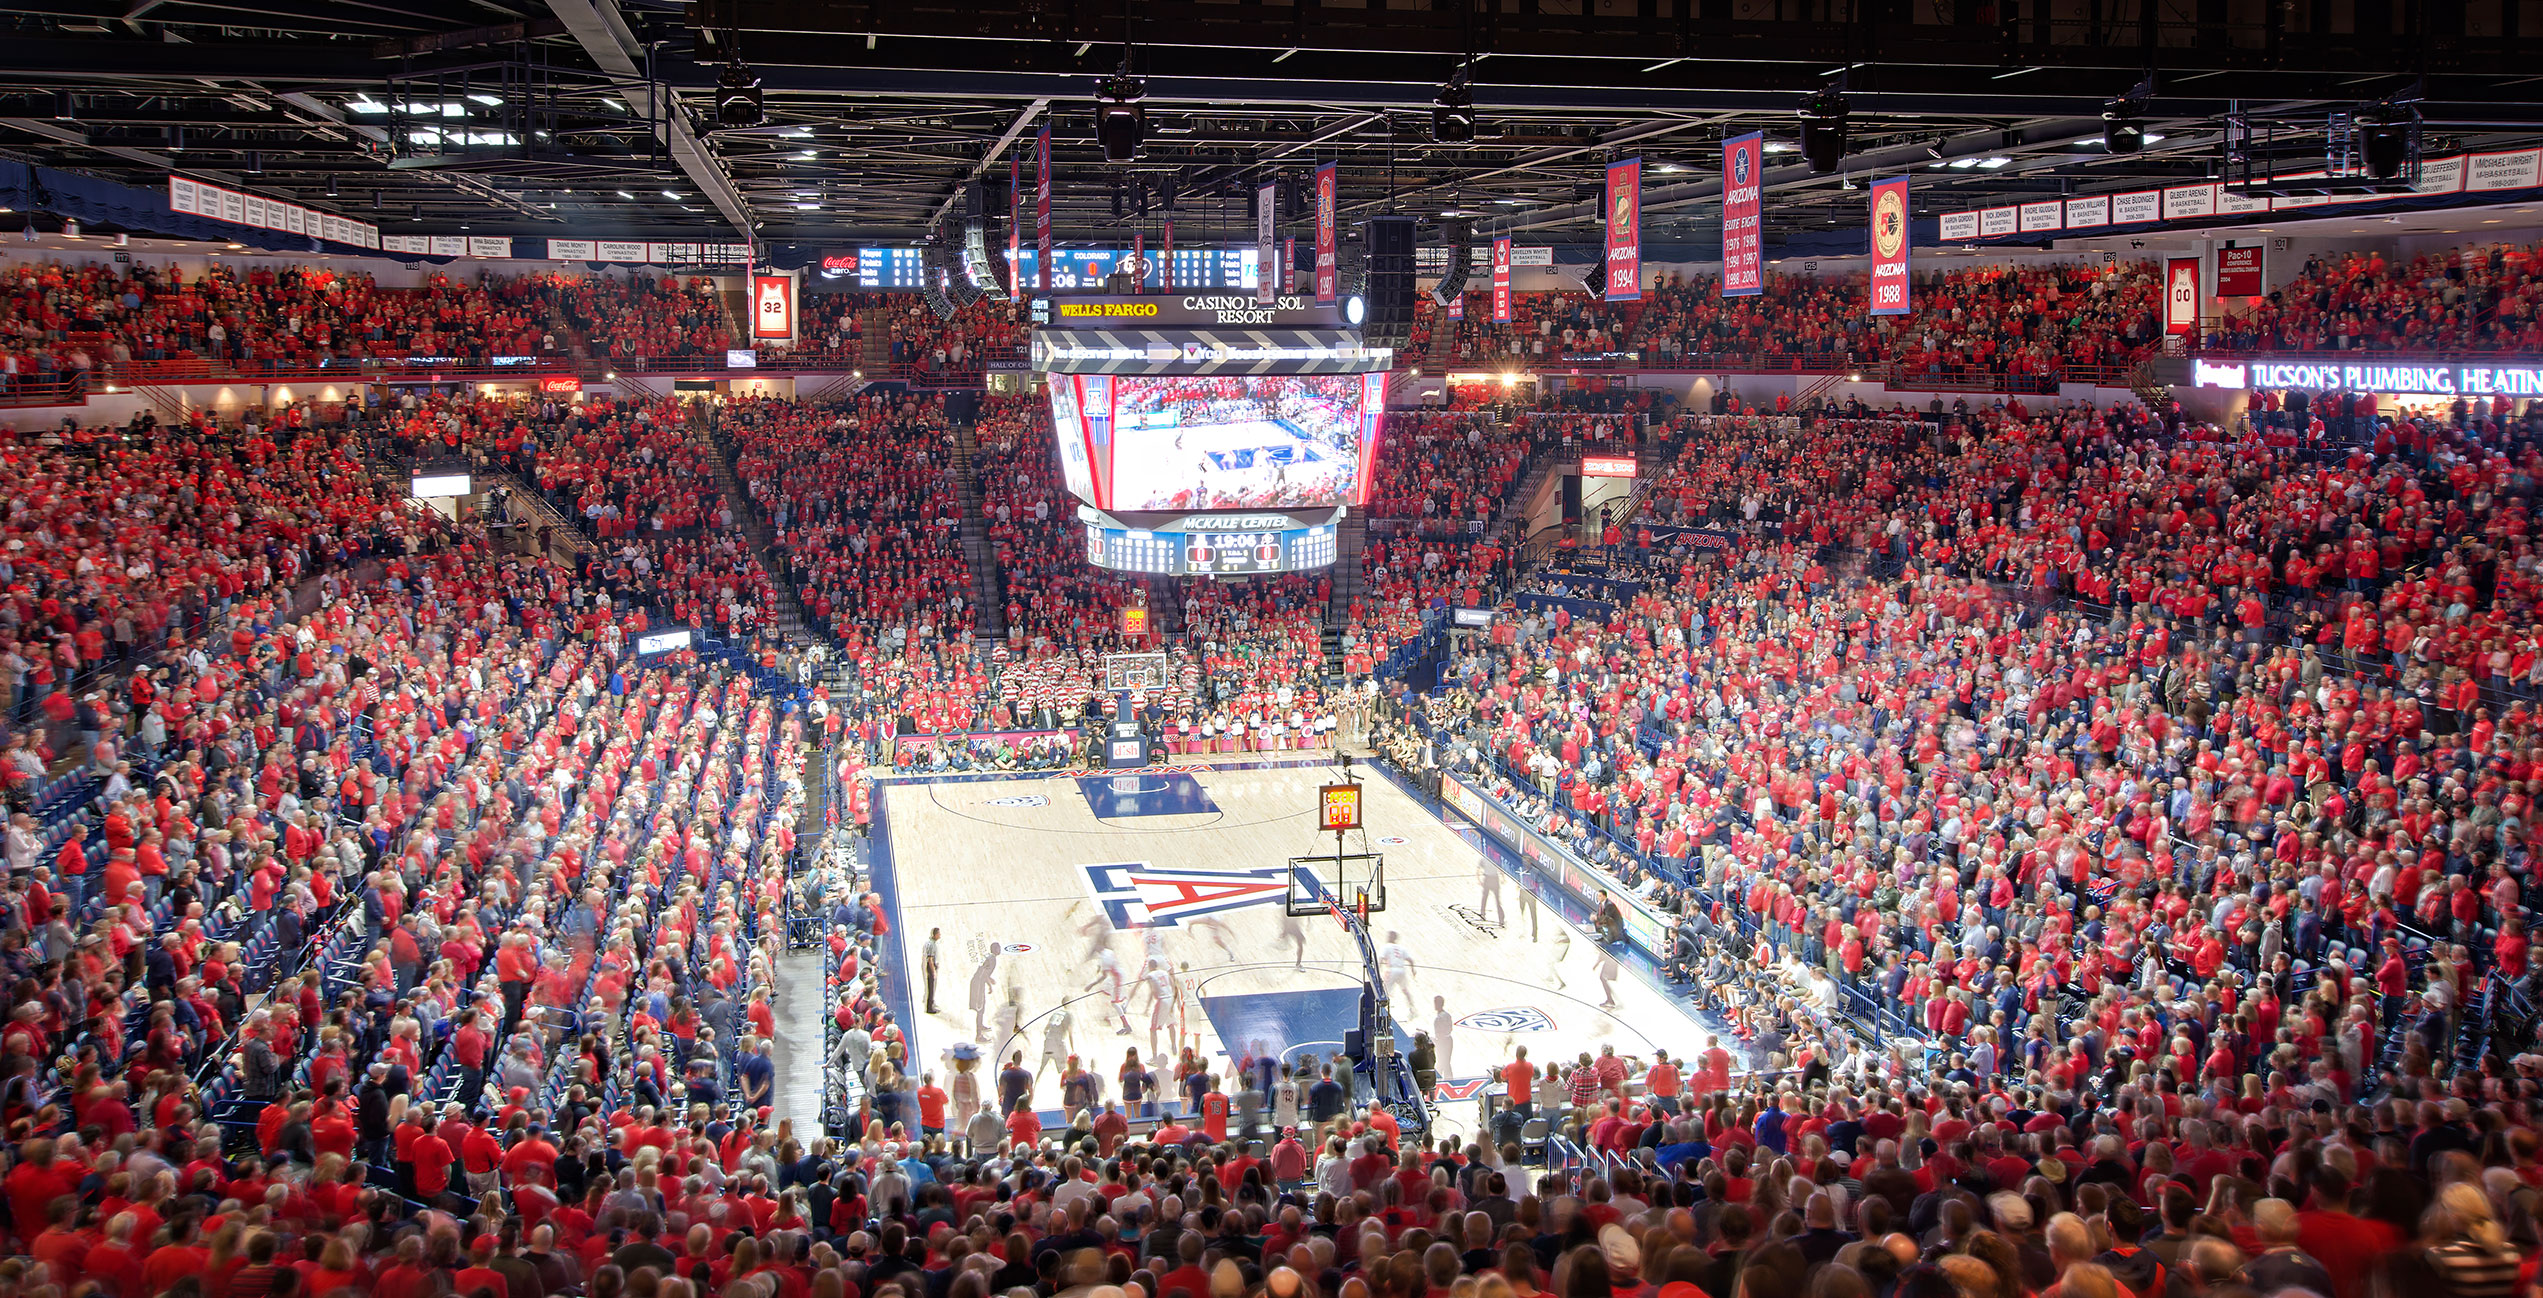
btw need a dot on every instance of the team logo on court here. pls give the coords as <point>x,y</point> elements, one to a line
<point>1021,800</point>
<point>1135,894</point>
<point>1521,1019</point>
<point>1395,840</point>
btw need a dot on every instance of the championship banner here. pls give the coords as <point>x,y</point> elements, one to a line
<point>1328,273</point>
<point>2181,295</point>
<point>1743,215</point>
<point>1457,307</point>
<point>1266,247</point>
<point>1889,247</point>
<point>1015,226</point>
<point>1501,280</point>
<point>1042,209</point>
<point>1624,230</point>
<point>2238,272</point>
<point>1165,267</point>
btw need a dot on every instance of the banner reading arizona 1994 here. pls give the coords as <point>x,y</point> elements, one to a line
<point>1624,230</point>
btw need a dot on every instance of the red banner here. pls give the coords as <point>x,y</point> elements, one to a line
<point>1457,307</point>
<point>1042,210</point>
<point>1328,273</point>
<point>1139,259</point>
<point>1165,267</point>
<point>2181,295</point>
<point>773,307</point>
<point>1744,215</point>
<point>1015,225</point>
<point>1889,247</point>
<point>1624,230</point>
<point>1501,280</point>
<point>2238,272</point>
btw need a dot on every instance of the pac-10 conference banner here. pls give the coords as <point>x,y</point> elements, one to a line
<point>1328,273</point>
<point>1624,230</point>
<point>1889,247</point>
<point>1743,215</point>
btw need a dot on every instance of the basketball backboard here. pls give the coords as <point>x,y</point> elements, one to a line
<point>1135,673</point>
<point>1346,881</point>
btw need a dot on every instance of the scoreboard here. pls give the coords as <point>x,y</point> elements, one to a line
<point>1073,270</point>
<point>1197,545</point>
<point>891,268</point>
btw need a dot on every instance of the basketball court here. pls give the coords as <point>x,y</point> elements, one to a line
<point>1031,879</point>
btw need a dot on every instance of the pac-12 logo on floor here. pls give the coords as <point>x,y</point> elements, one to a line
<point>1021,800</point>
<point>1136,894</point>
<point>1517,1019</point>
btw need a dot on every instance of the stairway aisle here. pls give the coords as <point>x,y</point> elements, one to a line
<point>988,597</point>
<point>1348,545</point>
<point>790,617</point>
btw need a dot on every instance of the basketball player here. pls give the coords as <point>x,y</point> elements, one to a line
<point>1187,1008</point>
<point>1295,934</point>
<point>1056,1042</point>
<point>1443,1028</point>
<point>1161,998</point>
<point>1398,964</point>
<point>1219,933</point>
<point>1108,970</point>
<point>1488,884</point>
<point>1527,907</point>
<point>1562,952</point>
<point>1005,1019</point>
<point>1607,971</point>
<point>983,980</point>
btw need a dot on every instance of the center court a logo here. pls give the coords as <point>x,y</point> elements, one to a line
<point>1020,800</point>
<point>1135,894</point>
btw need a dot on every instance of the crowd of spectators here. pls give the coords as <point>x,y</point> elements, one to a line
<point>2463,299</point>
<point>72,319</point>
<point>2023,323</point>
<point>640,314</point>
<point>975,335</point>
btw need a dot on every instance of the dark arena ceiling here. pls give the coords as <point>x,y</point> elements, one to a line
<point>600,117</point>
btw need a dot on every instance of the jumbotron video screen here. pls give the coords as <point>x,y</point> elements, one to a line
<point>1218,441</point>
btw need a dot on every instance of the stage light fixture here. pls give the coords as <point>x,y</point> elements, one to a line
<point>2387,135</point>
<point>1121,119</point>
<point>1452,283</point>
<point>739,102</point>
<point>1823,129</point>
<point>1452,111</point>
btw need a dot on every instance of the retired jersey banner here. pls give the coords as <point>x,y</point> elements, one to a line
<point>1015,227</point>
<point>1743,215</point>
<point>2181,295</point>
<point>1889,247</point>
<point>1501,280</point>
<point>1624,230</point>
<point>1042,209</point>
<point>1266,246</point>
<point>1328,271</point>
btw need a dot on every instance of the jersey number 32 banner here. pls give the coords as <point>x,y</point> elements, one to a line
<point>773,307</point>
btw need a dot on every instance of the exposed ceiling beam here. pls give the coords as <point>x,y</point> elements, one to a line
<point>996,147</point>
<point>605,36</point>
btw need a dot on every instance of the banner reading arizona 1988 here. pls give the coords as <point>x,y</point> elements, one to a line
<point>1889,247</point>
<point>1743,215</point>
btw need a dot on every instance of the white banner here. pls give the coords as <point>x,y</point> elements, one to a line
<point>2229,203</point>
<point>2441,175</point>
<point>2085,213</point>
<point>2496,171</point>
<point>2186,202</point>
<point>479,246</point>
<point>570,250</point>
<point>620,250</point>
<point>2050,215</point>
<point>1959,225</point>
<point>1266,246</point>
<point>2135,209</point>
<point>1999,220</point>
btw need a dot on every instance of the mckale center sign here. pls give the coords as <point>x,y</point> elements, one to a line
<point>2448,379</point>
